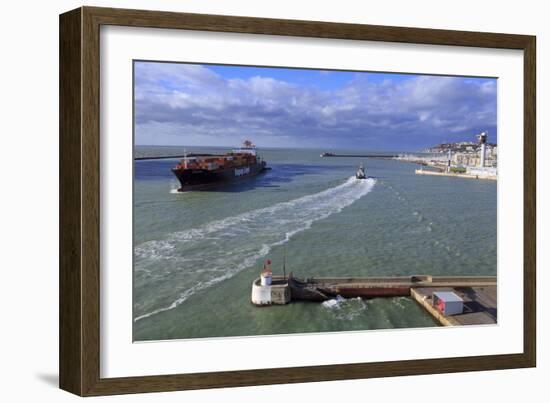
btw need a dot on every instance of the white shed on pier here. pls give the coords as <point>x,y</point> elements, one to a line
<point>448,303</point>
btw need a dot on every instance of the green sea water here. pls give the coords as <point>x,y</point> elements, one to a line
<point>197,253</point>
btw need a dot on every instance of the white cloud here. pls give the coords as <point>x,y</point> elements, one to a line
<point>187,103</point>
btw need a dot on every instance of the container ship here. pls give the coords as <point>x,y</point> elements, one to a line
<point>206,171</point>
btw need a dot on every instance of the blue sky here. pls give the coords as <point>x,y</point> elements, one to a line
<point>195,104</point>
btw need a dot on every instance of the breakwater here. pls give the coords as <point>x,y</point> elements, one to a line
<point>475,294</point>
<point>360,155</point>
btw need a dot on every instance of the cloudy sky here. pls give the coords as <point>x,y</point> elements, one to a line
<point>192,104</point>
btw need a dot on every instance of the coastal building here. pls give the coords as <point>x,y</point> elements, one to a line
<point>463,154</point>
<point>464,159</point>
<point>483,147</point>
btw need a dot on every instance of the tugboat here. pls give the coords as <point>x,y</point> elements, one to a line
<point>360,174</point>
<point>206,171</point>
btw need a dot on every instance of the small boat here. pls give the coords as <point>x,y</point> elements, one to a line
<point>360,174</point>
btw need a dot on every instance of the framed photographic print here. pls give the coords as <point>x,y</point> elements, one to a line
<point>250,201</point>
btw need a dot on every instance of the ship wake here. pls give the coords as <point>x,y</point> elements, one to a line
<point>345,308</point>
<point>169,271</point>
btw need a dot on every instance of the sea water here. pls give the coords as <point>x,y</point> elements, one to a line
<point>197,253</point>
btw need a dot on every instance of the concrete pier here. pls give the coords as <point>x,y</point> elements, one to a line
<point>454,175</point>
<point>478,293</point>
<point>480,305</point>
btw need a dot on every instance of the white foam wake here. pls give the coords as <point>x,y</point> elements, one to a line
<point>189,261</point>
<point>345,309</point>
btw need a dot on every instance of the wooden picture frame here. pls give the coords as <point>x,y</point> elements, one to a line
<point>79,346</point>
